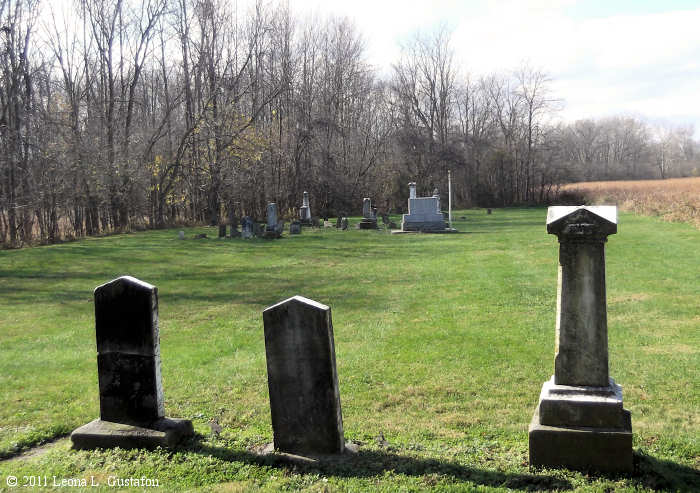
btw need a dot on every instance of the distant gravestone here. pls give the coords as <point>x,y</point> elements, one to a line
<point>302,378</point>
<point>128,365</point>
<point>247,227</point>
<point>305,210</point>
<point>344,224</point>
<point>580,422</point>
<point>258,230</point>
<point>338,220</point>
<point>423,213</point>
<point>295,228</point>
<point>222,230</point>
<point>369,218</point>
<point>233,223</point>
<point>181,235</point>
<point>328,224</point>
<point>273,228</point>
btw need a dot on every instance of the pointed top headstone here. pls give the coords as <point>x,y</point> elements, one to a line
<point>572,222</point>
<point>126,317</point>
<point>302,377</point>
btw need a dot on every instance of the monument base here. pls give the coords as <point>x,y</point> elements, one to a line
<point>165,432</point>
<point>272,234</point>
<point>581,448</point>
<point>423,226</point>
<point>431,231</point>
<point>368,224</point>
<point>268,450</point>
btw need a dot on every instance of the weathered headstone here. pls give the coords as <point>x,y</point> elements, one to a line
<point>247,227</point>
<point>369,219</point>
<point>271,215</point>
<point>295,228</point>
<point>423,213</point>
<point>233,223</point>
<point>580,422</point>
<point>258,230</point>
<point>344,224</point>
<point>128,365</point>
<point>338,221</point>
<point>272,228</point>
<point>302,378</point>
<point>222,230</point>
<point>181,235</point>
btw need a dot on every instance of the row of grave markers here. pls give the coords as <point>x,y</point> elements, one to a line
<point>579,422</point>
<point>423,215</point>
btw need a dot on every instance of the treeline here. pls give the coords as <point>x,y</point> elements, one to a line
<point>146,113</point>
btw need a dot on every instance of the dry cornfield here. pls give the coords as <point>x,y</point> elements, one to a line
<point>675,199</point>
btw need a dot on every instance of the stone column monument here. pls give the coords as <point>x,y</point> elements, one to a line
<point>579,422</point>
<point>132,413</point>
<point>305,211</point>
<point>412,190</point>
<point>369,219</point>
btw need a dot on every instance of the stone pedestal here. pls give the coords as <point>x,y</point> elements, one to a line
<point>128,365</point>
<point>580,422</point>
<point>302,378</point>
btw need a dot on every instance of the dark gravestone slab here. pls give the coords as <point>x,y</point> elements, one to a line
<point>302,378</point>
<point>222,230</point>
<point>128,365</point>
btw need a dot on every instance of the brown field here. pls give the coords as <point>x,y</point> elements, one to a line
<point>675,199</point>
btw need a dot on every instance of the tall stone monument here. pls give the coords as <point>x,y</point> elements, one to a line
<point>423,213</point>
<point>369,217</point>
<point>132,413</point>
<point>305,211</point>
<point>579,422</point>
<point>302,378</point>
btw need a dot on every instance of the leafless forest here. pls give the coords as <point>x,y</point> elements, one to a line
<point>148,113</point>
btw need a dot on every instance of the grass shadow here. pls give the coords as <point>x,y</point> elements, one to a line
<point>664,475</point>
<point>372,463</point>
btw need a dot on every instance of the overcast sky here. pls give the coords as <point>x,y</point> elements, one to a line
<point>606,57</point>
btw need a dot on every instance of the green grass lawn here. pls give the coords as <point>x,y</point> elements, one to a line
<point>442,345</point>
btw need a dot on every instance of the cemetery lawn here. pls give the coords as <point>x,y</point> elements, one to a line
<point>442,345</point>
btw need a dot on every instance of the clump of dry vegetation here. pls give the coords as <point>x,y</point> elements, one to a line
<point>676,199</point>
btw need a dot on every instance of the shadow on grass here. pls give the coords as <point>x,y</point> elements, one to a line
<point>664,475</point>
<point>371,463</point>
